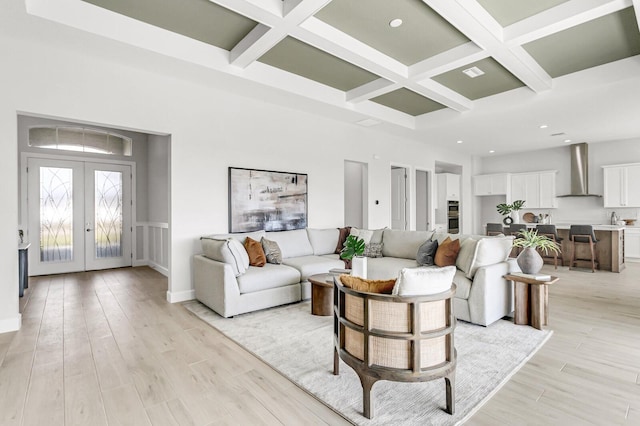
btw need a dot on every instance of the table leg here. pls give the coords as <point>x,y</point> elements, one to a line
<point>538,306</point>
<point>521,314</point>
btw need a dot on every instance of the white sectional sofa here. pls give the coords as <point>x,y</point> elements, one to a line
<point>482,296</point>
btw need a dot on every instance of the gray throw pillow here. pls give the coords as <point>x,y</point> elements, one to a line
<point>427,253</point>
<point>271,251</point>
<point>373,250</point>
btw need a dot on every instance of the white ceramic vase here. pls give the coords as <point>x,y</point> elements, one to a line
<point>359,267</point>
<point>515,216</point>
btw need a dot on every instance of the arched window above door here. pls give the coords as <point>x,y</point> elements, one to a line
<point>80,139</point>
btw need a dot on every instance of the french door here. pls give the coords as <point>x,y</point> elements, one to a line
<point>79,216</point>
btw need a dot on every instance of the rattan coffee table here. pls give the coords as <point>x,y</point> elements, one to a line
<point>321,294</point>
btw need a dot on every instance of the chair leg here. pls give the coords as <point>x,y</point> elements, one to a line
<point>450,384</point>
<point>336,362</point>
<point>593,256</point>
<point>572,261</point>
<point>368,404</point>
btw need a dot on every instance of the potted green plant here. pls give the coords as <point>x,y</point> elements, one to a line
<point>529,260</point>
<point>353,249</point>
<point>506,210</point>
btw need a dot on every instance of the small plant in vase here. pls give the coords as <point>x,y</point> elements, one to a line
<point>529,260</point>
<point>353,249</point>
<point>506,209</point>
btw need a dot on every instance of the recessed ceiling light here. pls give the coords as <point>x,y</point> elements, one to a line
<point>543,126</point>
<point>491,152</point>
<point>395,23</point>
<point>473,72</point>
<point>459,142</point>
<point>567,140</point>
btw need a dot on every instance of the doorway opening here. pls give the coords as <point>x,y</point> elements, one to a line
<point>356,190</point>
<point>423,201</point>
<point>399,198</point>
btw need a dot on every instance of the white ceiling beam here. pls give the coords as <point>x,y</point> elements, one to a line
<point>447,61</point>
<point>561,17</point>
<point>263,38</point>
<point>264,12</point>
<point>636,8</point>
<point>371,90</point>
<point>253,45</point>
<point>475,23</point>
<point>441,94</point>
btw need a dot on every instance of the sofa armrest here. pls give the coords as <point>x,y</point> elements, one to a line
<point>216,285</point>
<point>491,296</point>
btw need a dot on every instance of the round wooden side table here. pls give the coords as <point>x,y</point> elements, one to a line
<point>321,294</point>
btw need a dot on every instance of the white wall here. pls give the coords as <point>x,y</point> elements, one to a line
<point>49,70</point>
<point>158,178</point>
<point>354,182</point>
<point>571,209</point>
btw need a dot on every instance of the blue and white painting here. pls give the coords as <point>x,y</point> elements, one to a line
<point>266,200</point>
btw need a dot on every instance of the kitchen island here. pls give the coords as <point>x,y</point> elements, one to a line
<point>610,246</point>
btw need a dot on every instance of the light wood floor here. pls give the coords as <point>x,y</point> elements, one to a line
<point>106,348</point>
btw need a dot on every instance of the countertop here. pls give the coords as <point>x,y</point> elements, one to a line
<point>596,227</point>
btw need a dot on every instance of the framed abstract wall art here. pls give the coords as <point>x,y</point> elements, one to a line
<point>266,200</point>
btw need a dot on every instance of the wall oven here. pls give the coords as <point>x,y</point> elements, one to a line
<point>453,217</point>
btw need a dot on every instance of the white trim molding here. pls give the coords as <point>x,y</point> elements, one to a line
<point>11,324</point>
<point>180,296</point>
<point>155,246</point>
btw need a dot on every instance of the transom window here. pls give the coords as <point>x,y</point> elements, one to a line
<point>80,139</point>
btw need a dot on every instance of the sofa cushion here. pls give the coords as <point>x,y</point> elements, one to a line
<point>386,268</point>
<point>424,281</point>
<point>404,244</point>
<point>427,253</point>
<point>368,286</point>
<point>311,265</point>
<point>269,276</point>
<point>255,252</point>
<point>466,254</point>
<point>489,251</point>
<point>271,251</point>
<point>226,250</point>
<point>292,243</point>
<point>447,252</point>
<point>463,285</point>
<point>323,241</point>
<point>240,236</point>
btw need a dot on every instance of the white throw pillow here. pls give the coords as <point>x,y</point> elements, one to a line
<point>365,234</point>
<point>240,253</point>
<point>466,254</point>
<point>424,281</point>
<point>489,251</point>
<point>227,250</point>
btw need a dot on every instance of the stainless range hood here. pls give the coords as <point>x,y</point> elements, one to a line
<point>580,171</point>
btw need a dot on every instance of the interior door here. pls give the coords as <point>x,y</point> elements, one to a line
<point>55,216</point>
<point>107,216</point>
<point>398,198</point>
<point>79,216</point>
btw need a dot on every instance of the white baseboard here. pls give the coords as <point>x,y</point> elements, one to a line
<point>180,296</point>
<point>11,324</point>
<point>164,271</point>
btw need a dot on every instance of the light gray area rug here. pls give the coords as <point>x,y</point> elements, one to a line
<point>300,346</point>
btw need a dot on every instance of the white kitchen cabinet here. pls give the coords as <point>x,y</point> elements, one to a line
<point>537,189</point>
<point>491,184</point>
<point>632,244</point>
<point>620,185</point>
<point>448,187</point>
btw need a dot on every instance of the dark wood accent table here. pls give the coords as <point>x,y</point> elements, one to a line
<point>321,294</point>
<point>531,299</point>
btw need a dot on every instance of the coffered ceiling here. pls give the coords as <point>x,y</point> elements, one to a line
<point>409,78</point>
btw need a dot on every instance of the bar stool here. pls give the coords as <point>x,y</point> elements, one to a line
<point>515,229</point>
<point>551,232</point>
<point>583,234</point>
<point>494,229</point>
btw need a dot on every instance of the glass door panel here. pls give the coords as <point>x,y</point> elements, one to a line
<point>55,215</point>
<point>108,216</point>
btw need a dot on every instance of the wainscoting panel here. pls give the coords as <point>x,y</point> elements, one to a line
<point>152,246</point>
